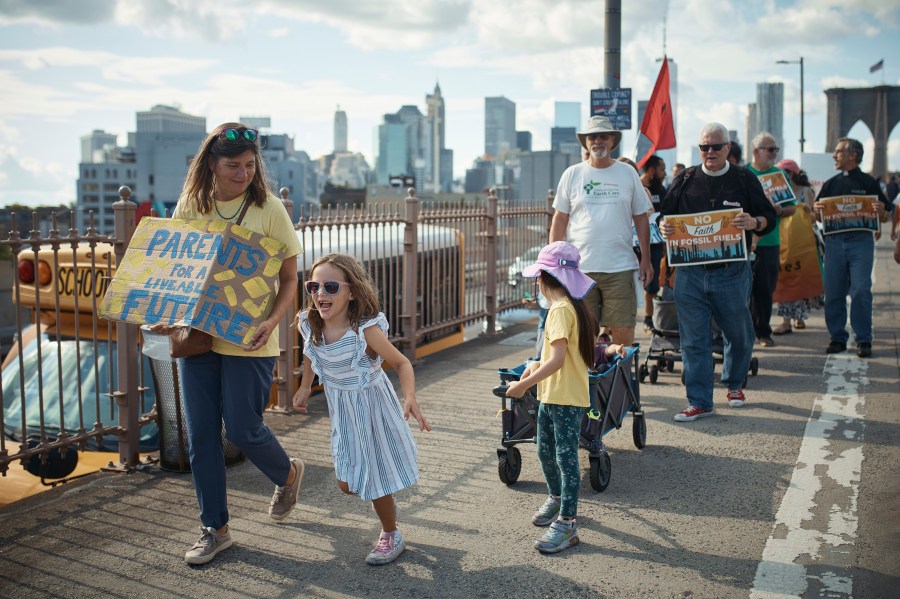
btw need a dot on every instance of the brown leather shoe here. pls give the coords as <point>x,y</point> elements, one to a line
<point>783,329</point>
<point>800,324</point>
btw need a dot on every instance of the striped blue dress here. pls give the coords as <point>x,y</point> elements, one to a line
<point>373,448</point>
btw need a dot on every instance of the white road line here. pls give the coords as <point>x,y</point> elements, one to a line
<point>815,527</point>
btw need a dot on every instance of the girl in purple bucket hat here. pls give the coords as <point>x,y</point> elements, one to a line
<point>562,379</point>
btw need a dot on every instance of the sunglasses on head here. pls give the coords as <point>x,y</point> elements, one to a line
<point>713,147</point>
<point>330,287</point>
<point>238,134</point>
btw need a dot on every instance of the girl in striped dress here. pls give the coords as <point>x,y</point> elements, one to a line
<point>345,342</point>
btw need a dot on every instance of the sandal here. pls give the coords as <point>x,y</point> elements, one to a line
<point>800,324</point>
<point>782,329</point>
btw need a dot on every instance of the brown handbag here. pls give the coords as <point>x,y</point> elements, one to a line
<point>185,341</point>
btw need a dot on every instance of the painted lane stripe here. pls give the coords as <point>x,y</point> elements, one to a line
<point>811,547</point>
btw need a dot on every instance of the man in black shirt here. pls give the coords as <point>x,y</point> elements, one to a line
<point>720,290</point>
<point>652,176</point>
<point>849,255</point>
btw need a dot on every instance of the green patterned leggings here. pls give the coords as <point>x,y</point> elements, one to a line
<point>558,428</point>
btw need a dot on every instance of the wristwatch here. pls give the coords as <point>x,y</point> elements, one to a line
<point>757,227</point>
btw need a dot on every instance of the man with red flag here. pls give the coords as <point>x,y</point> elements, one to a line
<point>658,125</point>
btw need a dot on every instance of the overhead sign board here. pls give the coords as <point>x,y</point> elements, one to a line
<point>615,104</point>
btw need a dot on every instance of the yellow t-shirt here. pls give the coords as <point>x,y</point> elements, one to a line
<point>270,219</point>
<point>568,386</point>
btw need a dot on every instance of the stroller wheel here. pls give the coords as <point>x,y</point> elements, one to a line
<point>654,374</point>
<point>601,471</point>
<point>509,466</point>
<point>639,431</point>
<point>642,373</point>
<point>670,365</point>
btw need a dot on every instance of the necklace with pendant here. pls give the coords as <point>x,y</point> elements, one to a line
<point>712,196</point>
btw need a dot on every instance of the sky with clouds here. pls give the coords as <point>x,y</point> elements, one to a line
<point>67,67</point>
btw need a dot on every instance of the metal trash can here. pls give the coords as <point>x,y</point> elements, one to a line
<point>173,435</point>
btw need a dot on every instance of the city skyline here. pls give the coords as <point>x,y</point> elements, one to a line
<point>70,68</point>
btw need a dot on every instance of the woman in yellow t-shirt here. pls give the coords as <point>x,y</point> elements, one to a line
<point>227,181</point>
<point>562,379</point>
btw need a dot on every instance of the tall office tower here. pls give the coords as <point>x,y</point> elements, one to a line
<point>97,140</point>
<point>752,129</point>
<point>435,137</point>
<point>643,143</point>
<point>499,126</point>
<point>340,130</point>
<point>523,141</point>
<point>770,111</point>
<point>166,142</point>
<point>567,114</point>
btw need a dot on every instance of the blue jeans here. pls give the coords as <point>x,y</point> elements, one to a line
<point>236,389</point>
<point>848,269</point>
<point>722,293</point>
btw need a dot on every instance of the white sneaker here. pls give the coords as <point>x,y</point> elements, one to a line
<point>390,546</point>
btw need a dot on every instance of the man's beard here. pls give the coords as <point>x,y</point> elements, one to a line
<point>600,154</point>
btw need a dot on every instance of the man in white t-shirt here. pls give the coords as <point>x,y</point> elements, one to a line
<point>596,203</point>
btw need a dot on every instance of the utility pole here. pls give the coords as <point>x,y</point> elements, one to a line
<point>613,50</point>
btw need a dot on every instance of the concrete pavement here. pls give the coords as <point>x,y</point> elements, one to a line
<point>692,514</point>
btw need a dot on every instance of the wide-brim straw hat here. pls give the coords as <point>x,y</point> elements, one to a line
<point>599,124</point>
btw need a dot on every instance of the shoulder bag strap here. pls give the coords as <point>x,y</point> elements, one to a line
<point>243,212</point>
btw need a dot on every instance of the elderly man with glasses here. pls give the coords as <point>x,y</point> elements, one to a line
<point>849,255</point>
<point>720,290</point>
<point>767,247</point>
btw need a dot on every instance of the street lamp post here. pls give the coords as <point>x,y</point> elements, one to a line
<point>800,62</point>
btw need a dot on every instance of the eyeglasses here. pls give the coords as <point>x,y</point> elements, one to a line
<point>330,287</point>
<point>237,134</point>
<point>772,149</point>
<point>713,147</point>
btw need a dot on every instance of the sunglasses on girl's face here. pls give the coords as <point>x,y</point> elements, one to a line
<point>330,287</point>
<point>238,134</point>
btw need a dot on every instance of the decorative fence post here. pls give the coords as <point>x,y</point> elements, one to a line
<point>490,257</point>
<point>549,212</point>
<point>127,396</point>
<point>286,366</point>
<point>409,316</point>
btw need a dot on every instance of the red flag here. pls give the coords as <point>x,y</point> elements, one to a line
<point>657,125</point>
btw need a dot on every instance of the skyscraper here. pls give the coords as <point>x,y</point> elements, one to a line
<point>567,114</point>
<point>499,126</point>
<point>435,136</point>
<point>766,114</point>
<point>166,142</point>
<point>340,130</point>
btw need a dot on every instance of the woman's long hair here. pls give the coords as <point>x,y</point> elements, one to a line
<point>362,307</point>
<point>587,326</point>
<point>200,184</point>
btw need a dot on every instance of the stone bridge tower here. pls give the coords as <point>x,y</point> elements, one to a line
<point>878,107</point>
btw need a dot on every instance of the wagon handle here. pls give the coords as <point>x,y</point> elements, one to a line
<point>500,390</point>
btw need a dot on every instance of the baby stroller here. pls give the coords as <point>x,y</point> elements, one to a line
<point>614,392</point>
<point>665,344</point>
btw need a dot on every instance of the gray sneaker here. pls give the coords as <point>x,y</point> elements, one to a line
<point>547,513</point>
<point>208,546</point>
<point>285,498</point>
<point>389,548</point>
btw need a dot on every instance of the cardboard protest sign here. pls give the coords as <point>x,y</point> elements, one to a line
<point>849,213</point>
<point>799,275</point>
<point>655,235</point>
<point>214,276</point>
<point>776,187</point>
<point>705,238</point>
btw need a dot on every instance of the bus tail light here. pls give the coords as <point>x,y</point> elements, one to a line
<point>45,275</point>
<point>27,274</point>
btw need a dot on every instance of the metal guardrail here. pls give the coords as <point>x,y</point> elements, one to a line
<point>440,266</point>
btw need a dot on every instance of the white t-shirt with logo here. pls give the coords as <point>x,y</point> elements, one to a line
<point>601,204</point>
